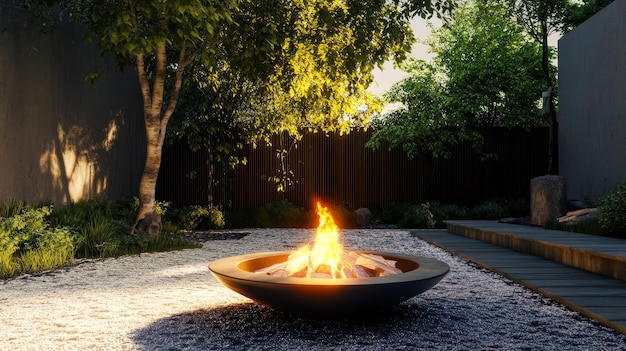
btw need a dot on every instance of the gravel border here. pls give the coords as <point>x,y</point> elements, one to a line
<point>169,301</point>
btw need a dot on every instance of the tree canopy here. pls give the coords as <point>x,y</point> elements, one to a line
<point>485,72</point>
<point>309,60</point>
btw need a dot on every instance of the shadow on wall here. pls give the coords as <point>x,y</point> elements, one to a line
<point>73,162</point>
<point>62,138</point>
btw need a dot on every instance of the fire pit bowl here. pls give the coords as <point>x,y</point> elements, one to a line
<point>324,296</point>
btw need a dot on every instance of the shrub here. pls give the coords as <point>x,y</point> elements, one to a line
<point>53,248</point>
<point>282,214</point>
<point>78,214</point>
<point>489,210</point>
<point>242,219</point>
<point>417,217</point>
<point>35,239</point>
<point>126,209</point>
<point>97,237</point>
<point>394,212</point>
<point>612,211</point>
<point>28,244</point>
<point>519,207</point>
<point>13,209</point>
<point>202,217</point>
<point>442,212</point>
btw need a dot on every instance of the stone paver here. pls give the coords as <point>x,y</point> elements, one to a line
<point>596,296</point>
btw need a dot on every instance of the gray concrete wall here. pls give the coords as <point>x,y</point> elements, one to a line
<point>592,104</point>
<point>62,138</point>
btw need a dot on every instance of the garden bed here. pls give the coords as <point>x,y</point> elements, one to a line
<point>169,300</point>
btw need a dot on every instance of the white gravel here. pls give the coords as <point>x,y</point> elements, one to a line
<point>170,301</point>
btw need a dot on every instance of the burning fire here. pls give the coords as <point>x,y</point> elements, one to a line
<point>326,258</point>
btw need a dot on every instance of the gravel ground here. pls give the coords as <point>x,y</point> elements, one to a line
<point>170,301</point>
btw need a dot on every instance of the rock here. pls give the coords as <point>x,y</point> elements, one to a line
<point>363,216</point>
<point>547,198</point>
<point>149,225</point>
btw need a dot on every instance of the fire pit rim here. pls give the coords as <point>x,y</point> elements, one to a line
<point>230,267</point>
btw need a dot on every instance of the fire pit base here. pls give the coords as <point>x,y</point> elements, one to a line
<point>323,296</point>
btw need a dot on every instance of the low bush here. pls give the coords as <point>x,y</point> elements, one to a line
<point>39,238</point>
<point>612,211</point>
<point>518,208</point>
<point>443,211</point>
<point>246,218</point>
<point>13,209</point>
<point>417,217</point>
<point>28,243</point>
<point>202,217</point>
<point>394,212</point>
<point>490,209</point>
<point>282,214</point>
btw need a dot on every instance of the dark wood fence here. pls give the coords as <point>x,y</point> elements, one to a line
<point>338,169</point>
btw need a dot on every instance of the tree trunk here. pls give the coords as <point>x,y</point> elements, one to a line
<point>147,220</point>
<point>156,119</point>
<point>553,159</point>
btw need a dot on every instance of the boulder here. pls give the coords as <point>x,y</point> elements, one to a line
<point>363,216</point>
<point>548,198</point>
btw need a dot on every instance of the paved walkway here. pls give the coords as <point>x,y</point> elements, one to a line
<point>528,255</point>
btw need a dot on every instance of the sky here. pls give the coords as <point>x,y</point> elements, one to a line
<point>384,79</point>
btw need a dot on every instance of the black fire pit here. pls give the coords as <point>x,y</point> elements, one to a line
<point>324,296</point>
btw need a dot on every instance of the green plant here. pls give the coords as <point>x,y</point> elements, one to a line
<point>394,212</point>
<point>246,218</point>
<point>519,207</point>
<point>417,217</point>
<point>612,211</point>
<point>443,211</point>
<point>53,248</point>
<point>79,213</point>
<point>202,217</point>
<point>282,214</point>
<point>28,244</point>
<point>98,237</point>
<point>489,209</point>
<point>39,238</point>
<point>14,208</point>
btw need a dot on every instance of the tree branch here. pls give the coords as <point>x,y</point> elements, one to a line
<point>143,82</point>
<point>178,81</point>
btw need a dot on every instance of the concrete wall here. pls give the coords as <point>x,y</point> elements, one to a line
<point>62,138</point>
<point>592,104</point>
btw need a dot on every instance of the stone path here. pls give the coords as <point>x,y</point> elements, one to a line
<point>532,256</point>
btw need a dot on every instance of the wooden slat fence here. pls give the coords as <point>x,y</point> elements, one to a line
<point>338,169</point>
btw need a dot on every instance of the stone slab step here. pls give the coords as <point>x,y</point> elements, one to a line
<point>596,254</point>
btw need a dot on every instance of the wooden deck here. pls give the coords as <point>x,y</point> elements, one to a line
<point>583,272</point>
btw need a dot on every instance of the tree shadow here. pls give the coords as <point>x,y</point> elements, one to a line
<point>62,137</point>
<point>253,326</point>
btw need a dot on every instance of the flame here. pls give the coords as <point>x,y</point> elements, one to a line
<point>324,254</point>
<point>326,258</point>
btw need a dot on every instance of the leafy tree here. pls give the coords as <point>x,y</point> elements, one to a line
<point>320,86</point>
<point>485,73</point>
<point>207,118</point>
<point>278,45</point>
<point>491,65</point>
<point>577,12</point>
<point>423,124</point>
<point>541,18</point>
